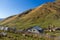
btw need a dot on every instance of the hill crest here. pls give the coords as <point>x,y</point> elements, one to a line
<point>42,16</point>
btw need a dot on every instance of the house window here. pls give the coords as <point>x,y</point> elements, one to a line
<point>33,30</point>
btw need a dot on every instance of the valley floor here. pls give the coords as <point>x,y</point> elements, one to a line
<point>44,36</point>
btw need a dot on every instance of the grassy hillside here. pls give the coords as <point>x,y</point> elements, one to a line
<point>43,16</point>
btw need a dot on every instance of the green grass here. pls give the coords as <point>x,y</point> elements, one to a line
<point>43,17</point>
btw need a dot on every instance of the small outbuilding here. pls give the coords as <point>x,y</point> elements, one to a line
<point>3,34</point>
<point>2,28</point>
<point>6,28</point>
<point>12,29</point>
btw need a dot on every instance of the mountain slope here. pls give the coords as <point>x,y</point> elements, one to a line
<point>1,18</point>
<point>43,16</point>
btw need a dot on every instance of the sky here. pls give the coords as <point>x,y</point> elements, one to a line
<point>13,7</point>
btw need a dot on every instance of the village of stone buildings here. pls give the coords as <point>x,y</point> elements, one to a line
<point>35,30</point>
